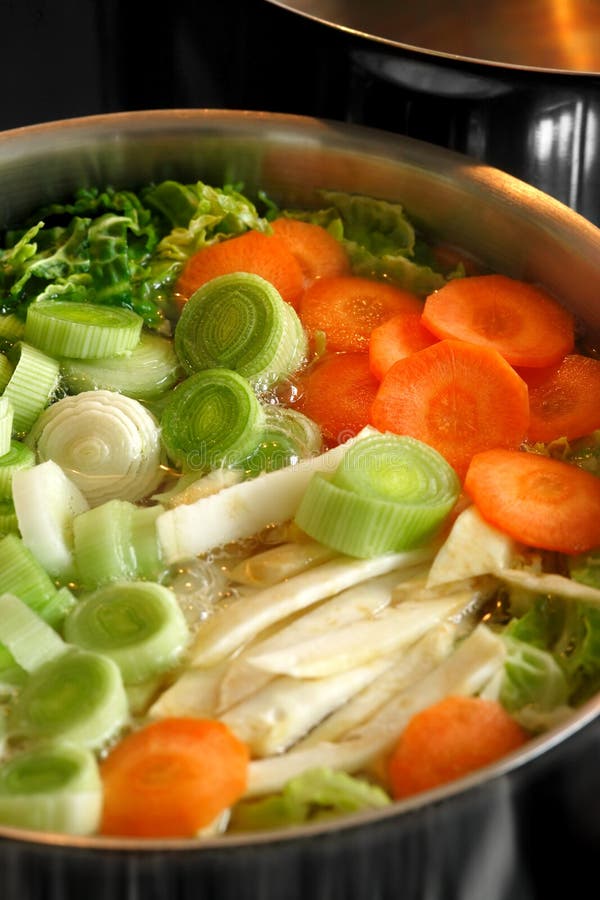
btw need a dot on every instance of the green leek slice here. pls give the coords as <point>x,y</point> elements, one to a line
<point>288,437</point>
<point>9,523</point>
<point>106,443</point>
<point>390,493</point>
<point>214,418</point>
<point>138,624</point>
<point>240,322</point>
<point>12,329</point>
<point>78,698</point>
<point>146,373</point>
<point>17,458</point>
<point>55,788</point>
<point>116,541</point>
<point>21,574</point>
<point>81,330</point>
<point>6,424</point>
<point>6,370</point>
<point>30,640</point>
<point>31,385</point>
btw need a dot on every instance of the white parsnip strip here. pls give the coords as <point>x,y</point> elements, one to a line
<point>409,667</point>
<point>232,627</point>
<point>465,671</point>
<point>548,583</point>
<point>357,643</point>
<point>241,510</point>
<point>275,717</point>
<point>276,563</point>
<point>358,602</point>
<point>194,693</point>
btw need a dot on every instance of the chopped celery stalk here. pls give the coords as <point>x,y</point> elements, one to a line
<point>242,510</point>
<point>213,419</point>
<point>31,385</point>
<point>389,493</point>
<point>21,574</point>
<point>115,541</point>
<point>54,788</point>
<point>81,330</point>
<point>106,443</point>
<point>239,321</point>
<point>78,698</point>
<point>17,457</point>
<point>146,373</point>
<point>138,624</point>
<point>30,640</point>
<point>6,425</point>
<point>46,503</point>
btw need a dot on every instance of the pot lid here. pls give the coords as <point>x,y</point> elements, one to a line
<point>547,35</point>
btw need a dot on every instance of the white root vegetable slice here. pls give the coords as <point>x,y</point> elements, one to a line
<point>356,603</point>
<point>272,720</point>
<point>242,510</point>
<point>234,626</point>
<point>466,671</point>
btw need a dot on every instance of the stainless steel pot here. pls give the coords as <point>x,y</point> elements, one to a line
<point>487,837</point>
<point>514,83</point>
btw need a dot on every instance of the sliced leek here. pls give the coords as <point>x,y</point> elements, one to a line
<point>389,493</point>
<point>53,789</point>
<point>288,437</point>
<point>30,640</point>
<point>114,541</point>
<point>21,574</point>
<point>7,414</point>
<point>239,321</point>
<point>78,697</point>
<point>46,502</point>
<point>18,456</point>
<point>81,330</point>
<point>106,443</point>
<point>145,373</point>
<point>213,419</point>
<point>31,386</point>
<point>137,624</point>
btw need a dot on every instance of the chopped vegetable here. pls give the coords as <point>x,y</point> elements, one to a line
<point>255,252</point>
<point>521,321</point>
<point>171,778</point>
<point>450,739</point>
<point>458,397</point>
<point>347,309</point>
<point>395,339</point>
<point>320,254</point>
<point>337,392</point>
<point>81,330</point>
<point>539,501</point>
<point>563,400</point>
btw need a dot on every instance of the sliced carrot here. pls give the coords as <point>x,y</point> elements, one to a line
<point>458,397</point>
<point>564,400</point>
<point>171,778</point>
<point>255,252</point>
<point>348,308</point>
<point>450,739</point>
<point>523,322</point>
<point>320,254</point>
<point>337,392</point>
<point>539,501</point>
<point>396,338</point>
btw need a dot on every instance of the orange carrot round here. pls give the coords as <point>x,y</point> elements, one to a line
<point>320,254</point>
<point>521,321</point>
<point>564,400</point>
<point>539,501</point>
<point>395,339</point>
<point>255,252</point>
<point>348,308</point>
<point>337,392</point>
<point>171,778</point>
<point>458,397</point>
<point>450,739</point>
